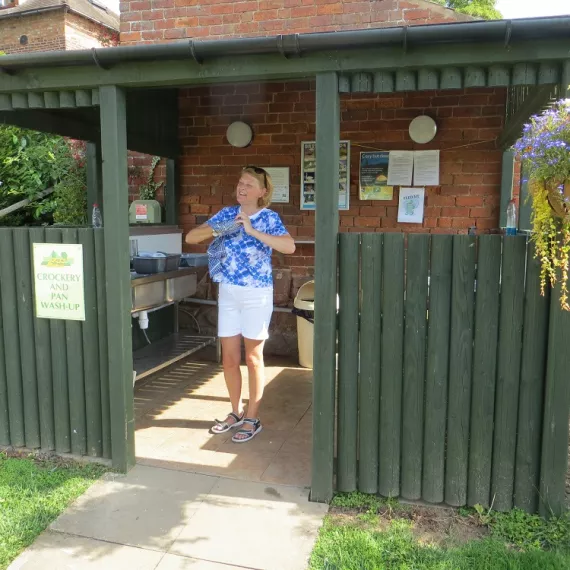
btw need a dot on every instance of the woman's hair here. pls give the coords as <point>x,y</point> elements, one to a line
<point>264,179</point>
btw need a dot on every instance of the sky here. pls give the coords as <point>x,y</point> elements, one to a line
<point>533,8</point>
<point>509,8</point>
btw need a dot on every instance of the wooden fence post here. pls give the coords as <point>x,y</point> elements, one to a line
<point>326,223</point>
<point>115,197</point>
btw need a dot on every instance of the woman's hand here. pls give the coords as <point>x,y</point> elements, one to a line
<point>244,220</point>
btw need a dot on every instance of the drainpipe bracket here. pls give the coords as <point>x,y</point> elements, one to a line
<point>194,53</point>
<point>508,33</point>
<point>289,46</point>
<point>97,60</point>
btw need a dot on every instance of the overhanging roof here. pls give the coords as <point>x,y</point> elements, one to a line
<point>506,33</point>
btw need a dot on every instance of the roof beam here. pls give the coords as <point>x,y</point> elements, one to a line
<point>266,67</point>
<point>534,103</point>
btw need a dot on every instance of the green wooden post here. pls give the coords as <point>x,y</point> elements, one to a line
<point>507,177</point>
<point>326,224</point>
<point>392,347</point>
<point>59,371</point>
<point>115,196</point>
<point>460,370</point>
<point>414,365</point>
<point>170,194</point>
<point>75,372</point>
<point>484,370</point>
<point>94,178</point>
<point>42,339</point>
<point>348,361</point>
<point>103,343</point>
<point>565,83</point>
<point>92,376</point>
<point>11,339</point>
<point>23,261</point>
<point>531,400</point>
<point>4,411</point>
<point>554,460</point>
<point>437,369</point>
<point>508,372</point>
<point>525,204</point>
<point>369,383</point>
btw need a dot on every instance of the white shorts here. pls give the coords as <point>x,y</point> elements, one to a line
<point>244,311</point>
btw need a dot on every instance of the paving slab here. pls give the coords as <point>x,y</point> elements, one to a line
<point>173,562</point>
<point>59,551</point>
<point>147,508</point>
<point>253,525</point>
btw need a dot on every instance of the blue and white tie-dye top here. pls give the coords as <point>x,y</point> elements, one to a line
<point>248,261</point>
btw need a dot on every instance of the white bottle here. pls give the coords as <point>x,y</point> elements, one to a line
<point>96,218</point>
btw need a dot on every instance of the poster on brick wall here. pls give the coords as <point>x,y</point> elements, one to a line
<point>308,169</point>
<point>411,205</point>
<point>280,178</point>
<point>374,176</point>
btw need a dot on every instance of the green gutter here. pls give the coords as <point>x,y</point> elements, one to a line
<point>504,32</point>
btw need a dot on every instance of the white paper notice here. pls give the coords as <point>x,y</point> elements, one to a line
<point>411,205</point>
<point>400,168</point>
<point>280,178</point>
<point>426,168</point>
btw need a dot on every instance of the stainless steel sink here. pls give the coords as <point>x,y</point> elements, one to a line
<point>150,291</point>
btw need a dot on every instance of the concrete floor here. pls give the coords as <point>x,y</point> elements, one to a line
<point>175,410</point>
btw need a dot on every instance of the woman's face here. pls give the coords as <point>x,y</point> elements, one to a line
<point>249,190</point>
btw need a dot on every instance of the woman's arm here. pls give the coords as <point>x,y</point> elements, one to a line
<point>199,234</point>
<point>283,244</point>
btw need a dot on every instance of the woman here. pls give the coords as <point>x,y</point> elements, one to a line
<point>240,261</point>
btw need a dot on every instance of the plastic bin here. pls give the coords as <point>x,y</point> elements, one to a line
<point>304,309</point>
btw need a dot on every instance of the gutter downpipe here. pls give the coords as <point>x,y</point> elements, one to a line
<point>295,45</point>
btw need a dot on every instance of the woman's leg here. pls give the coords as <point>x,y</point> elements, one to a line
<point>231,360</point>
<point>256,373</point>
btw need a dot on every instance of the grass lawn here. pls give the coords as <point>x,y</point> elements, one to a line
<point>33,493</point>
<point>363,532</point>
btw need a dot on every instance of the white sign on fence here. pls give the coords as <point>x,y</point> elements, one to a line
<point>58,281</point>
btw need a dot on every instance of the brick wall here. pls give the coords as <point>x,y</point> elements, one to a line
<point>45,32</point>
<point>81,33</point>
<point>153,21</point>
<point>282,116</point>
<point>52,30</point>
<point>139,171</point>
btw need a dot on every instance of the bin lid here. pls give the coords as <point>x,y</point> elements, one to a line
<point>306,305</point>
<point>306,292</point>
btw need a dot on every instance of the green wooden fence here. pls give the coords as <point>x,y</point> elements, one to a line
<point>460,395</point>
<point>54,376</point>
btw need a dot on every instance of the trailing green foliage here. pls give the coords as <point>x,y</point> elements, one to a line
<point>545,150</point>
<point>485,9</point>
<point>148,189</point>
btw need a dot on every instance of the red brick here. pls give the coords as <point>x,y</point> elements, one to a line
<point>462,223</point>
<point>469,201</point>
<point>454,212</point>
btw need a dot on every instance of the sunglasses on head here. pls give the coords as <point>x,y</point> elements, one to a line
<point>258,170</point>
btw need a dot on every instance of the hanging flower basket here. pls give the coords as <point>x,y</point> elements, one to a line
<point>545,151</point>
